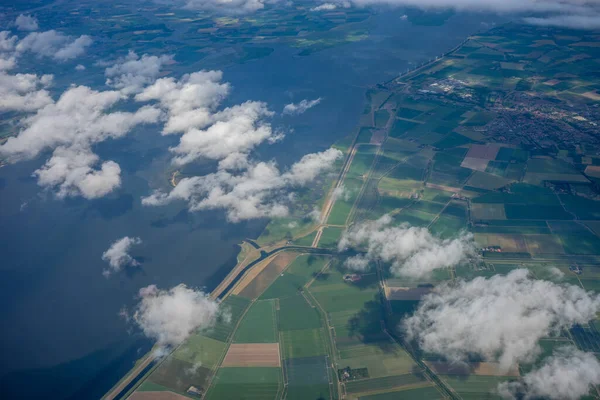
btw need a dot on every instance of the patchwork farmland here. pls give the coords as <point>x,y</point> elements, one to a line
<point>436,148</point>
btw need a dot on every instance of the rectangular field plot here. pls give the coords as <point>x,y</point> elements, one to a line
<point>246,383</point>
<point>330,237</point>
<point>344,299</point>
<point>388,382</point>
<point>487,211</point>
<point>508,243</point>
<point>300,272</point>
<point>580,243</point>
<point>296,313</point>
<point>252,355</point>
<point>475,387</point>
<point>482,368</point>
<point>201,349</point>
<point>258,325</point>
<point>307,378</point>
<point>235,307</point>
<point>178,375</point>
<point>539,244</point>
<point>303,343</point>
<point>381,359</point>
<point>538,211</point>
<point>424,393</point>
<point>256,284</point>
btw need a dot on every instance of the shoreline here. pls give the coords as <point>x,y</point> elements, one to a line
<point>223,289</point>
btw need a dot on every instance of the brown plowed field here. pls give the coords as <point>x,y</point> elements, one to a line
<point>252,285</point>
<point>252,355</point>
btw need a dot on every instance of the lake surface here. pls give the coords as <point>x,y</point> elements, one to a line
<point>62,336</point>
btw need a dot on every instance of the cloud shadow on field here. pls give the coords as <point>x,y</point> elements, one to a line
<point>367,326</point>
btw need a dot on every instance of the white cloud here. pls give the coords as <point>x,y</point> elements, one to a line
<point>24,92</point>
<point>54,44</point>
<point>80,67</point>
<point>500,319</point>
<point>300,108</point>
<point>229,6</point>
<point>26,23</point>
<point>170,316</point>
<point>413,251</point>
<point>8,59</point>
<point>341,192</point>
<point>191,108</point>
<point>568,21</point>
<point>132,73</point>
<point>70,127</point>
<point>315,214</point>
<point>577,14</point>
<point>257,192</point>
<point>556,273</point>
<point>118,255</point>
<point>190,101</point>
<point>569,374</point>
<point>324,7</point>
<point>70,171</point>
<point>236,130</point>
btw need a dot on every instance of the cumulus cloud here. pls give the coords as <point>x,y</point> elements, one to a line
<point>500,319</point>
<point>8,42</point>
<point>70,127</point>
<point>324,7</point>
<point>191,105</point>
<point>261,190</point>
<point>24,92</point>
<point>170,316</point>
<point>190,101</point>
<point>118,255</point>
<point>412,251</point>
<point>235,131</point>
<point>26,23</point>
<point>54,44</point>
<point>71,172</point>
<point>300,108</point>
<point>229,6</point>
<point>132,73</point>
<point>569,374</point>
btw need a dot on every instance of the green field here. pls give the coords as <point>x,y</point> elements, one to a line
<point>234,307</point>
<point>258,325</point>
<point>388,382</point>
<point>429,393</point>
<point>245,383</point>
<point>307,378</point>
<point>298,274</point>
<point>330,237</point>
<point>473,386</point>
<point>303,343</point>
<point>295,313</point>
<point>201,349</point>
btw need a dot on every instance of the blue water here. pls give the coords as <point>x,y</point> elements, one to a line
<point>61,335</point>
